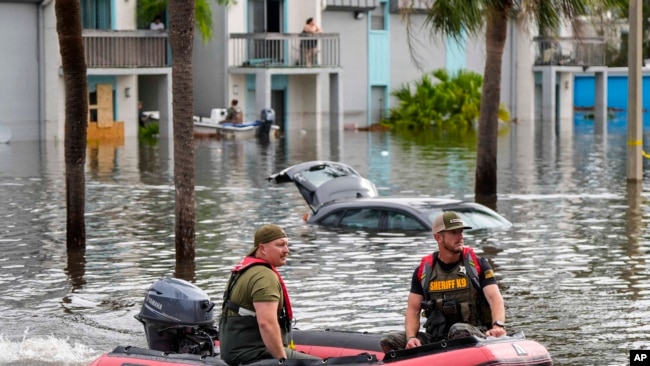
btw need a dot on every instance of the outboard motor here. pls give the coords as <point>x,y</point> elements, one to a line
<point>267,118</point>
<point>177,317</point>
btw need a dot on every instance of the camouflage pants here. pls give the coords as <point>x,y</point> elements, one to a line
<point>397,340</point>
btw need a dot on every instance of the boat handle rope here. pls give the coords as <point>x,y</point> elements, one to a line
<point>292,345</point>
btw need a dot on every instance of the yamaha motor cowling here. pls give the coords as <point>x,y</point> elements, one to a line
<point>267,118</point>
<point>177,317</point>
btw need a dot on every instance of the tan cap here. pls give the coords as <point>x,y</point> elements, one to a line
<point>265,234</point>
<point>448,221</point>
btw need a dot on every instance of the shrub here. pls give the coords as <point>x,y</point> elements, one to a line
<point>149,132</point>
<point>439,100</point>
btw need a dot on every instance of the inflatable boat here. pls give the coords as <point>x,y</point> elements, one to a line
<point>178,322</point>
<point>246,130</point>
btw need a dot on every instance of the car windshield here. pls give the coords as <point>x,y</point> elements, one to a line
<point>483,220</point>
<point>476,219</point>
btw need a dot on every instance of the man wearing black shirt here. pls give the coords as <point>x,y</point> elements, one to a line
<point>454,289</point>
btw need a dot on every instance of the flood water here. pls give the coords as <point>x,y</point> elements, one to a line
<point>574,269</point>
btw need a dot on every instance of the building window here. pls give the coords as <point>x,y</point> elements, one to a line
<point>96,14</point>
<point>378,17</point>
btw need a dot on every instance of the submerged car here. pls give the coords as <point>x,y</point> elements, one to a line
<point>341,197</point>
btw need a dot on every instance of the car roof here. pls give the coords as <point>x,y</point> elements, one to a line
<point>425,208</point>
<point>415,202</point>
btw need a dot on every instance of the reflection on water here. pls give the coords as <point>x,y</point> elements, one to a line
<point>573,269</point>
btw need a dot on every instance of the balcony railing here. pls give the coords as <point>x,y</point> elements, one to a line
<point>360,5</point>
<point>416,6</point>
<point>284,50</point>
<point>115,49</point>
<point>570,51</point>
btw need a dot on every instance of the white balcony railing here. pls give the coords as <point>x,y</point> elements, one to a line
<point>116,49</point>
<point>283,50</point>
<point>570,51</point>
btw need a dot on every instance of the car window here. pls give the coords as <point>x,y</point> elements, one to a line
<point>399,221</point>
<point>321,174</point>
<point>363,218</point>
<point>332,219</point>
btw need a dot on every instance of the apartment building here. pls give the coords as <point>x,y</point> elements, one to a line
<point>363,54</point>
<point>256,56</point>
<point>125,64</point>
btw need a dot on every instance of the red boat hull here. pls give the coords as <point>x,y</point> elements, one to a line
<point>514,350</point>
<point>353,349</point>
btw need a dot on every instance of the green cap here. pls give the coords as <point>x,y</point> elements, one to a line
<point>448,221</point>
<point>265,234</point>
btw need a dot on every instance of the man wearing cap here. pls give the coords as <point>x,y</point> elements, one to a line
<point>454,289</point>
<point>256,313</point>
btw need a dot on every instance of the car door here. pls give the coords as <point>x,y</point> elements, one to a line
<point>373,218</point>
<point>399,221</point>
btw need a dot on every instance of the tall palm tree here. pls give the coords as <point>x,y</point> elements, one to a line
<point>181,38</point>
<point>68,27</point>
<point>454,18</point>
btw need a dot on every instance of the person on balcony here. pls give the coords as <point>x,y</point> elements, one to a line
<point>157,24</point>
<point>308,47</point>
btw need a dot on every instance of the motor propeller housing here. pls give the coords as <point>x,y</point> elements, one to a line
<point>178,317</point>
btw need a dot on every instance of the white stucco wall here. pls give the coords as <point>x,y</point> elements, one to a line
<point>300,10</point>
<point>125,14</point>
<point>128,111</point>
<point>209,62</point>
<point>428,52</point>
<point>52,79</point>
<point>19,89</point>
<point>354,59</point>
<point>520,101</point>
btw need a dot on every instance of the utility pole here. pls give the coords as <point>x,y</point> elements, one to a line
<point>634,115</point>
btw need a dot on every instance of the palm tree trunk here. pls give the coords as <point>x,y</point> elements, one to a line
<point>181,37</point>
<point>485,190</point>
<point>68,27</point>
